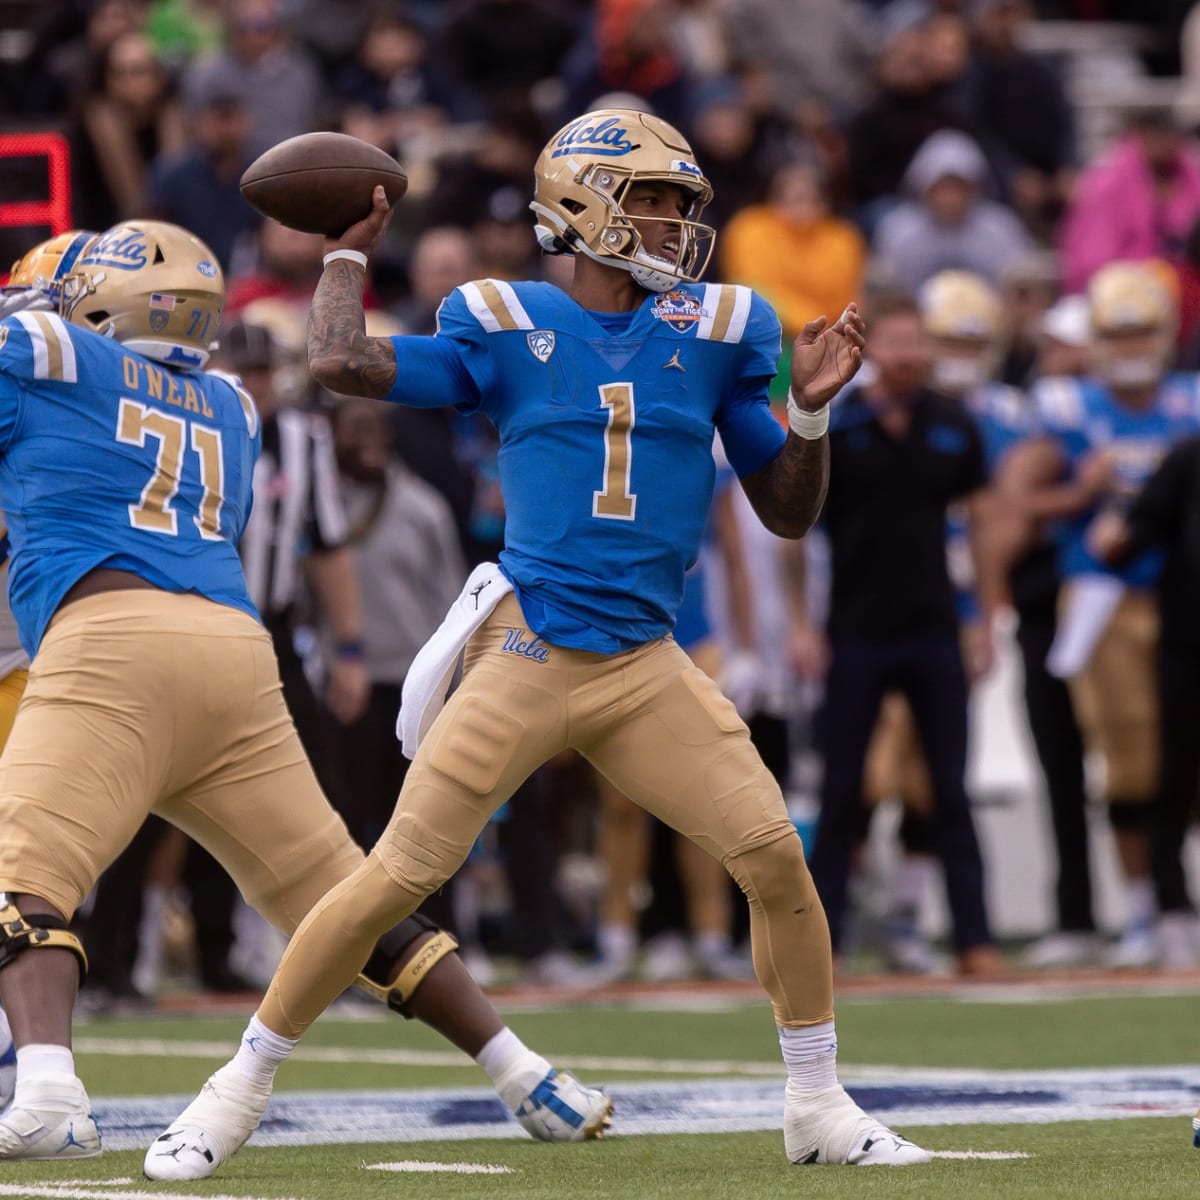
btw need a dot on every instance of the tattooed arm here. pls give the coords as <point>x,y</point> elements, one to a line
<point>340,355</point>
<point>788,492</point>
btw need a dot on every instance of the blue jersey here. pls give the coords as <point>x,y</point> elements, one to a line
<point>1003,417</point>
<point>1082,415</point>
<point>110,460</point>
<point>606,426</point>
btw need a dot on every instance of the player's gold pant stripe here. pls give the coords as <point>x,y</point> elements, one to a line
<point>725,307</point>
<point>54,350</point>
<point>12,688</point>
<point>496,306</point>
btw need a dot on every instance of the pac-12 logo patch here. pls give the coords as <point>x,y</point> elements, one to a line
<point>679,310</point>
<point>541,343</point>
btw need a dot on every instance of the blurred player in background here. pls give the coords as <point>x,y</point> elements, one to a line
<point>606,397</point>
<point>125,473</point>
<point>1101,438</point>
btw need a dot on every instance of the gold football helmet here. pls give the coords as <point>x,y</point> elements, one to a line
<point>151,286</point>
<point>42,269</point>
<point>1133,320</point>
<point>962,315</point>
<point>586,169</point>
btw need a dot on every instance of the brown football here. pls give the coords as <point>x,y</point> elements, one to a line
<point>321,182</point>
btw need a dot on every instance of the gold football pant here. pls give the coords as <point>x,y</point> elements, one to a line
<point>649,721</point>
<point>140,702</point>
<point>1116,700</point>
<point>12,688</point>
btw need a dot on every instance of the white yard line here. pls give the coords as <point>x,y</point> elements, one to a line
<point>413,1164</point>
<point>989,1154</point>
<point>219,1051</point>
<point>99,1190</point>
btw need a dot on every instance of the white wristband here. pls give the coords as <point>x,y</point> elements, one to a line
<point>354,256</point>
<point>805,424</point>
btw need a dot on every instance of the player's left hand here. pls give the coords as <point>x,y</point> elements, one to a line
<point>826,357</point>
<point>349,689</point>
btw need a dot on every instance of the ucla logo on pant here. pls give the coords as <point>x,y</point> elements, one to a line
<point>541,343</point>
<point>517,641</point>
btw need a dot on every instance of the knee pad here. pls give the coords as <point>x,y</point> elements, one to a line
<point>38,931</point>
<point>390,948</point>
<point>1131,815</point>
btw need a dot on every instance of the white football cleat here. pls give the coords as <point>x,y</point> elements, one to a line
<point>51,1119</point>
<point>211,1130</point>
<point>827,1127</point>
<point>1063,949</point>
<point>8,1063</point>
<point>561,1109</point>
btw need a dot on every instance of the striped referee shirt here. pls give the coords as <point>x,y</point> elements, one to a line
<point>297,508</point>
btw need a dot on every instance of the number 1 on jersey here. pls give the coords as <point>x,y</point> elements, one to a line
<point>153,511</point>
<point>615,502</point>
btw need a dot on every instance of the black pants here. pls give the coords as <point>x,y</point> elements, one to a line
<point>929,674</point>
<point>1179,747</point>
<point>1059,747</point>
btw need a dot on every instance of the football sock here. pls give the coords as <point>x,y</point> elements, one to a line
<point>261,1052</point>
<point>512,1067</point>
<point>43,1058</point>
<point>810,1055</point>
<point>1139,903</point>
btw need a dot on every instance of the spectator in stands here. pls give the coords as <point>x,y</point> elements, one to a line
<point>494,51</point>
<point>198,187</point>
<point>632,49</point>
<point>387,93</point>
<point>909,106</point>
<point>69,38</point>
<point>792,249</point>
<point>1138,200</point>
<point>727,136</point>
<point>1020,109</point>
<point>442,258</point>
<point>948,223</point>
<point>287,269</point>
<point>281,86</point>
<point>125,119</point>
<point>808,49</point>
<point>184,29</point>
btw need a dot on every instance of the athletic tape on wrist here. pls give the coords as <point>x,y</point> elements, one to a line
<point>805,424</point>
<point>354,256</point>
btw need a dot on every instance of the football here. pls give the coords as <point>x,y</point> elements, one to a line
<point>321,182</point>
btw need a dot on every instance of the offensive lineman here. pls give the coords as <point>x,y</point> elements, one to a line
<point>606,398</point>
<point>125,473</point>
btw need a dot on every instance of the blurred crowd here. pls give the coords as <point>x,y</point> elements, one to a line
<point>1031,280</point>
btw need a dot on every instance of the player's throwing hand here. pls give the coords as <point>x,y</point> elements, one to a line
<point>364,235</point>
<point>826,357</point>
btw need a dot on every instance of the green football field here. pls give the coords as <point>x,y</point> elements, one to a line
<point>1084,1096</point>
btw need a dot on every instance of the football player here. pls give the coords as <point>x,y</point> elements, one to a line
<point>35,282</point>
<point>1103,437</point>
<point>606,397</point>
<point>125,473</point>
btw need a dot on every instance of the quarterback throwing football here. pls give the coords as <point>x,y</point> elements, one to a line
<point>606,397</point>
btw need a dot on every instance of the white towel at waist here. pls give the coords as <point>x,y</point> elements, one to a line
<point>1091,602</point>
<point>428,679</point>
